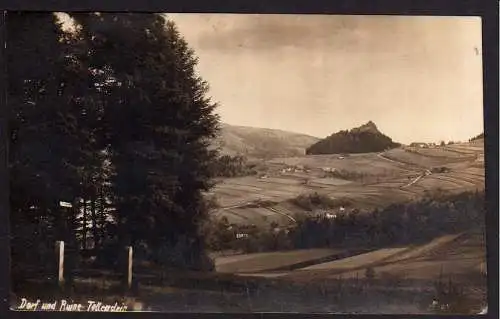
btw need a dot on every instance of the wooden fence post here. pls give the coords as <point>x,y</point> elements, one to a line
<point>60,263</point>
<point>129,254</point>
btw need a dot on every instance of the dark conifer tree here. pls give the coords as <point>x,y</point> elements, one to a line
<point>37,155</point>
<point>53,150</point>
<point>159,123</point>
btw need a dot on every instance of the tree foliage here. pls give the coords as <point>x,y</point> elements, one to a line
<point>112,117</point>
<point>233,166</point>
<point>44,123</point>
<point>477,137</point>
<point>364,139</point>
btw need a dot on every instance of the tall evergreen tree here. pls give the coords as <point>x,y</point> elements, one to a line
<point>34,54</point>
<point>158,123</point>
<point>52,149</point>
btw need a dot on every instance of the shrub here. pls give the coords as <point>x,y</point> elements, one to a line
<point>441,169</point>
<point>315,200</point>
<point>233,166</point>
<point>370,273</point>
<point>346,175</point>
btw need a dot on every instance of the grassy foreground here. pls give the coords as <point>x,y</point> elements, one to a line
<point>175,291</point>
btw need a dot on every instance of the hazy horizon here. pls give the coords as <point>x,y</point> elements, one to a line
<point>416,78</point>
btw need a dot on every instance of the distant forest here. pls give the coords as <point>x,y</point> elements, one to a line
<point>413,222</point>
<point>478,137</point>
<point>233,166</point>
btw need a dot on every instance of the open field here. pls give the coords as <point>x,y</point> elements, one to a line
<point>371,180</point>
<point>358,260</point>
<point>403,283</point>
<point>250,294</point>
<point>443,152</point>
<point>259,262</point>
<point>396,175</point>
<point>458,254</point>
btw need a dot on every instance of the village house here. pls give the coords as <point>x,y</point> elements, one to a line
<point>421,145</point>
<point>287,170</point>
<point>241,235</point>
<point>299,169</point>
<point>330,215</point>
<point>244,231</point>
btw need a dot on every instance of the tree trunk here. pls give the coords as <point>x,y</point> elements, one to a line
<point>71,261</point>
<point>94,220</point>
<point>102,211</point>
<point>84,235</point>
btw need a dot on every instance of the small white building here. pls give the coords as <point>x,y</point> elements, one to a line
<point>331,216</point>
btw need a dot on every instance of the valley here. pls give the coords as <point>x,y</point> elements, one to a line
<point>371,180</point>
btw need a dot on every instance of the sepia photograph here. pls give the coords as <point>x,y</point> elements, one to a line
<point>246,163</point>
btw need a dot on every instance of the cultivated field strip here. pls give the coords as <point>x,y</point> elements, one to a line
<point>404,156</point>
<point>449,258</point>
<point>253,187</point>
<point>443,153</point>
<point>389,185</point>
<point>356,261</point>
<point>365,163</point>
<point>428,183</point>
<point>240,214</point>
<point>262,212</point>
<point>464,244</point>
<point>430,269</point>
<point>471,178</point>
<point>281,209</point>
<point>456,254</point>
<point>465,149</point>
<point>282,181</point>
<point>288,216</point>
<point>458,181</point>
<point>436,180</point>
<point>422,250</point>
<point>235,219</point>
<point>330,181</point>
<point>413,191</point>
<point>475,171</point>
<point>259,262</point>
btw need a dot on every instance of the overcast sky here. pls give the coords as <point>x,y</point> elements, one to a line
<point>417,78</point>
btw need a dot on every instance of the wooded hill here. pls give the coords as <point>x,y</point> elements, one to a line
<point>363,139</point>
